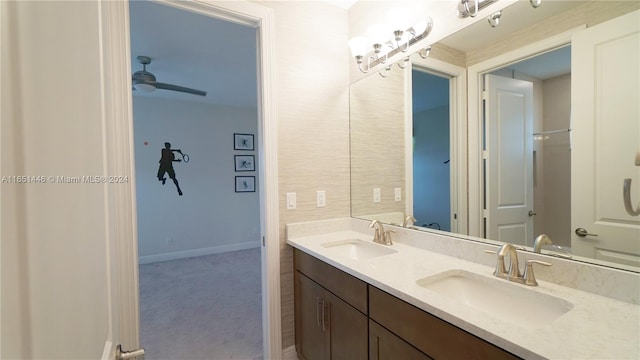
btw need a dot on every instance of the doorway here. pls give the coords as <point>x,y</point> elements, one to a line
<point>431,154</point>
<point>199,234</point>
<point>538,202</point>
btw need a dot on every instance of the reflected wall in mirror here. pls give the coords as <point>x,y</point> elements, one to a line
<point>413,121</point>
<point>547,196</point>
<point>377,116</point>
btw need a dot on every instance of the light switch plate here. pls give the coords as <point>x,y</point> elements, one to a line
<point>376,195</point>
<point>397,194</point>
<point>321,198</point>
<point>291,201</point>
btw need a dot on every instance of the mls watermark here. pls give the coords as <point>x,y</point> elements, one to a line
<point>62,179</point>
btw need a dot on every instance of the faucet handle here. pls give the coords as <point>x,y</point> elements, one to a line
<point>500,270</point>
<point>529,276</point>
<point>386,238</point>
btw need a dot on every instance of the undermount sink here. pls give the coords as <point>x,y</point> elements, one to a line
<point>357,249</point>
<point>499,298</point>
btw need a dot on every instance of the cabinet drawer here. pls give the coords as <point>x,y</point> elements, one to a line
<point>429,334</point>
<point>348,288</point>
<point>383,345</point>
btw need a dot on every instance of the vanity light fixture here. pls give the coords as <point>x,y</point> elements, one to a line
<point>385,40</point>
<point>470,8</point>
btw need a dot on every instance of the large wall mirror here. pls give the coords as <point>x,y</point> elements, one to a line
<point>501,134</point>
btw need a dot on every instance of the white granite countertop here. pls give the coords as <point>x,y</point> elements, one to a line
<point>596,327</point>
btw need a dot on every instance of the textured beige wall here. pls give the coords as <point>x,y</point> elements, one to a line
<point>377,143</point>
<point>312,100</point>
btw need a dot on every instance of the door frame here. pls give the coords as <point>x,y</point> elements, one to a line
<point>121,207</point>
<point>458,135</point>
<point>474,74</point>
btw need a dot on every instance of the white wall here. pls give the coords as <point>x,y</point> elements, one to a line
<point>210,217</point>
<point>52,125</point>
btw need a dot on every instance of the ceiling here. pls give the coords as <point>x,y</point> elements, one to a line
<point>195,51</point>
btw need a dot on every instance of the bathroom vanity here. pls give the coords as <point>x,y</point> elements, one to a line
<point>328,327</point>
<point>355,299</point>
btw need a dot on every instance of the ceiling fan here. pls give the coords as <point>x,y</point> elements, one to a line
<point>146,81</point>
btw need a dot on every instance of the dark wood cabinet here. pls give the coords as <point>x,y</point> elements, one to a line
<point>326,326</point>
<point>384,345</point>
<point>429,334</point>
<point>338,316</point>
<point>311,342</point>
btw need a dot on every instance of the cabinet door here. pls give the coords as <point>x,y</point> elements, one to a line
<point>311,342</point>
<point>347,329</point>
<point>383,345</point>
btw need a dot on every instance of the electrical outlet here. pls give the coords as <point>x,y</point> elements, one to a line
<point>321,198</point>
<point>376,195</point>
<point>168,240</point>
<point>291,201</point>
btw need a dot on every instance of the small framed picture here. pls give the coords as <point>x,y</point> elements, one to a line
<point>245,183</point>
<point>245,163</point>
<point>243,142</point>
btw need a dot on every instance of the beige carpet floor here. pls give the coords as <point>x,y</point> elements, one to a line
<point>206,307</point>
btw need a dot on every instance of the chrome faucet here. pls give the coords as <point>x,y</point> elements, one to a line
<point>542,239</point>
<point>378,231</point>
<point>381,236</point>
<point>513,274</point>
<point>408,221</point>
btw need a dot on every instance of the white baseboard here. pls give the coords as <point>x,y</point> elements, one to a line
<point>147,259</point>
<point>289,353</point>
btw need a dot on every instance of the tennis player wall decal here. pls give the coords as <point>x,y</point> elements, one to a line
<point>167,159</point>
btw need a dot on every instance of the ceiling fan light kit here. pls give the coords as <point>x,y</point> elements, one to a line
<point>145,81</point>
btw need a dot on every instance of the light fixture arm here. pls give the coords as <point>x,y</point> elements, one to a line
<point>465,10</point>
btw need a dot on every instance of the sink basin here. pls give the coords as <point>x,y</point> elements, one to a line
<point>357,249</point>
<point>499,298</point>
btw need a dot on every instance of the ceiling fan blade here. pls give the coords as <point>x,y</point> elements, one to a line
<point>172,87</point>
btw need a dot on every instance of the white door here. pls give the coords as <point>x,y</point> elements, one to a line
<point>62,284</point>
<point>509,159</point>
<point>606,137</point>
<point>69,249</point>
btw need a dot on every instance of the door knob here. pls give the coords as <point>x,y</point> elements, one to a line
<point>129,355</point>
<point>583,232</point>
<point>532,213</point>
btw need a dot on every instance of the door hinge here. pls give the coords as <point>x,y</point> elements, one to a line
<point>263,243</point>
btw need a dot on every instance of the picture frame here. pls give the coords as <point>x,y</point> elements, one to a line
<point>243,142</point>
<point>245,163</point>
<point>245,184</point>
